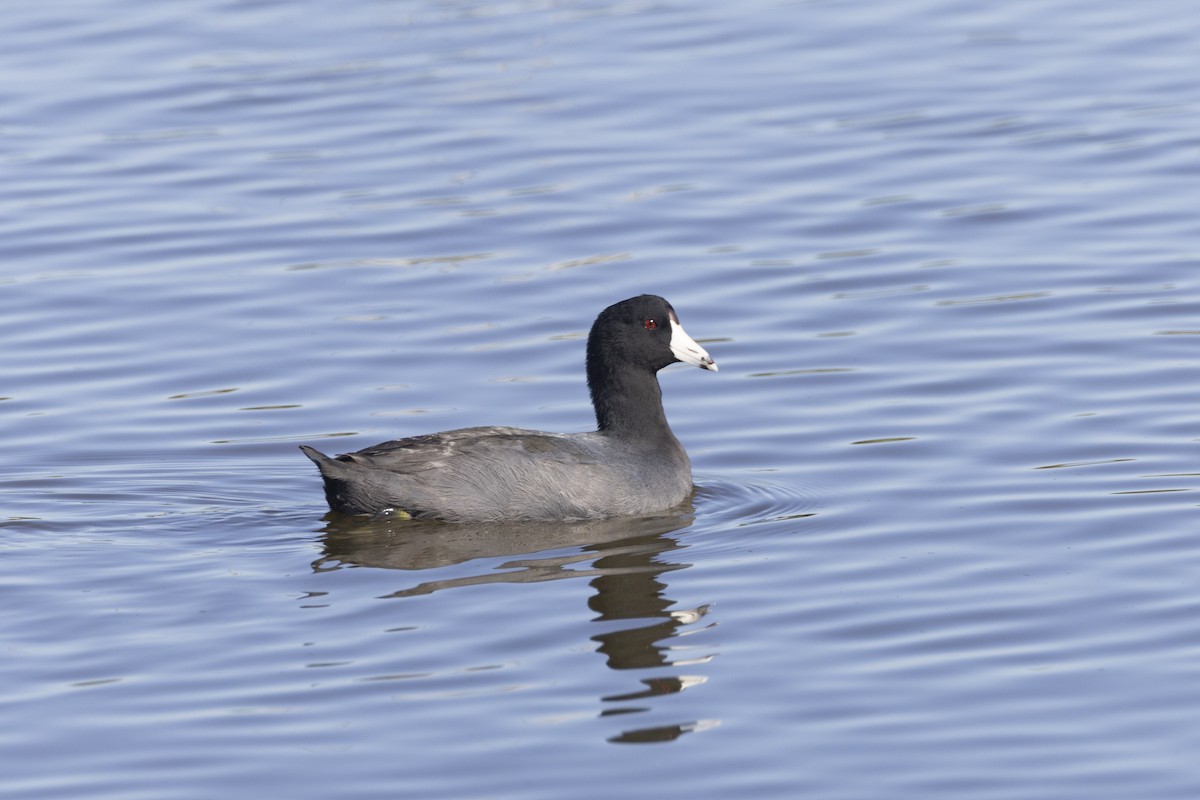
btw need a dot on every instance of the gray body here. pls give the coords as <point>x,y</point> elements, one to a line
<point>508,474</point>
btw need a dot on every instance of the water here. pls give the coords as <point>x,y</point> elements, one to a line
<point>944,541</point>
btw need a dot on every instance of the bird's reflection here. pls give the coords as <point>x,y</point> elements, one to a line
<point>626,560</point>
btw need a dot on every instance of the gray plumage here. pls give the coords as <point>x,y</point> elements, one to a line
<point>631,465</point>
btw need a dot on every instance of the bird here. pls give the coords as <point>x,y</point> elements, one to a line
<point>631,465</point>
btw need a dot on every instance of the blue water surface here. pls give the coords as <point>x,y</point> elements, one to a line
<point>944,541</point>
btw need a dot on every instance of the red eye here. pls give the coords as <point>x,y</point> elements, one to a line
<point>649,324</point>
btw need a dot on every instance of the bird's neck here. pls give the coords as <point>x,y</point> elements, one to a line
<point>631,406</point>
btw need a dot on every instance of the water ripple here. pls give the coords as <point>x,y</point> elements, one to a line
<point>753,499</point>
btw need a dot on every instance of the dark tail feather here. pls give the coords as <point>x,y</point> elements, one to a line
<point>328,468</point>
<point>350,489</point>
<point>317,456</point>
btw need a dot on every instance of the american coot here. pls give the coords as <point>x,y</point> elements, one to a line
<point>632,464</point>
